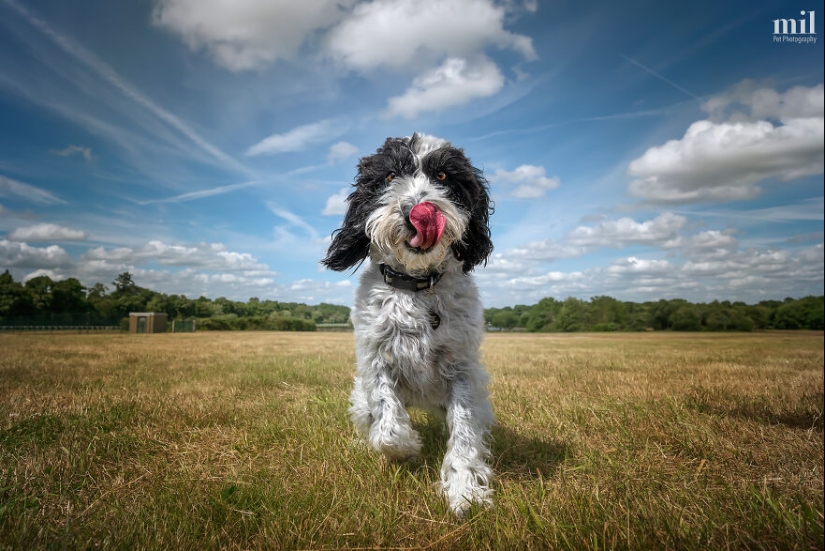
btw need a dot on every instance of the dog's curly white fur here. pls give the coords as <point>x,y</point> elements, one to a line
<point>418,347</point>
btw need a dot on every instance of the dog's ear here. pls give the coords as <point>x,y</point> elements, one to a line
<point>350,244</point>
<point>476,245</point>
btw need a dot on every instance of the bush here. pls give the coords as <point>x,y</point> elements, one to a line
<point>254,323</point>
<point>686,318</point>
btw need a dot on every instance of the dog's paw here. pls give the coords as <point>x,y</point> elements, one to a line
<point>466,489</point>
<point>397,444</point>
<point>463,506</point>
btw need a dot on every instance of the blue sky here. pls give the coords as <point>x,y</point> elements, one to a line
<point>641,150</point>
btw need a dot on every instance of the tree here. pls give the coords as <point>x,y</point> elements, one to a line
<point>573,316</point>
<point>40,291</point>
<point>101,302</point>
<point>686,318</point>
<point>124,283</point>
<point>14,300</point>
<point>659,315</point>
<point>128,296</point>
<point>805,313</point>
<point>159,303</point>
<point>69,296</point>
<point>96,292</point>
<point>542,315</point>
<point>607,314</point>
<point>505,319</point>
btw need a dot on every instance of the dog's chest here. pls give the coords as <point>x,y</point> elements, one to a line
<point>406,332</point>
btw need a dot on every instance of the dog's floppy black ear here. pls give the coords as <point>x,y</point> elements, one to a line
<point>476,245</point>
<point>350,244</point>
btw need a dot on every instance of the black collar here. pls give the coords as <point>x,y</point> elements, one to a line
<point>400,280</point>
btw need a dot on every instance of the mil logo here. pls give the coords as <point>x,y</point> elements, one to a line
<point>797,31</point>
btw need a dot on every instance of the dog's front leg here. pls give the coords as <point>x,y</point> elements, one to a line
<point>466,478</point>
<point>391,431</point>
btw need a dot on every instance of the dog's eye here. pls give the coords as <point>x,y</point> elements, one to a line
<point>391,176</point>
<point>441,176</point>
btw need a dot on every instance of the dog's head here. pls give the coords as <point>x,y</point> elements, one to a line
<point>418,202</point>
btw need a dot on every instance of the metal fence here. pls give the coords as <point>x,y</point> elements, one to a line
<point>78,328</point>
<point>183,326</point>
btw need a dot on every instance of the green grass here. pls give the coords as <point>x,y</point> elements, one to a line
<point>241,440</point>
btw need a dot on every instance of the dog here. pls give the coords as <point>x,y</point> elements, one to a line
<point>420,212</point>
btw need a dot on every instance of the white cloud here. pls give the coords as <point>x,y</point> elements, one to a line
<point>762,103</point>
<point>21,255</point>
<point>51,274</point>
<point>201,256</point>
<point>189,281</point>
<point>341,151</point>
<point>750,276</point>
<point>403,34</point>
<point>84,152</point>
<point>456,82</point>
<point>706,244</point>
<point>336,204</point>
<point>639,266</point>
<point>251,34</point>
<point>626,231</point>
<point>614,234</point>
<point>542,251</point>
<point>13,188</point>
<point>531,181</point>
<point>297,139</point>
<point>247,34</point>
<point>47,232</point>
<point>675,263</point>
<point>723,161</point>
<point>807,209</point>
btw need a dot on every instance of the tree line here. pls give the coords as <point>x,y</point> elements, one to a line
<point>603,313</point>
<point>41,301</point>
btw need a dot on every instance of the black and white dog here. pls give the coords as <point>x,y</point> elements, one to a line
<point>420,212</point>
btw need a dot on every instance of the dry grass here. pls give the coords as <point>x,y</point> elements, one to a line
<point>240,440</point>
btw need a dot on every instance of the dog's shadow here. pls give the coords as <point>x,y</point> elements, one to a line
<point>514,455</point>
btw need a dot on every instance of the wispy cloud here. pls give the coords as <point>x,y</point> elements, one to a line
<point>220,190</point>
<point>104,71</point>
<point>660,77</point>
<point>200,194</point>
<point>808,210</point>
<point>298,138</point>
<point>9,187</point>
<point>643,113</point>
<point>84,152</point>
<point>293,219</point>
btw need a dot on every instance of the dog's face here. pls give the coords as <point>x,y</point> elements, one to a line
<point>417,203</point>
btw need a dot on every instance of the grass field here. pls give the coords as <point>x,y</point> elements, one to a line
<point>241,440</point>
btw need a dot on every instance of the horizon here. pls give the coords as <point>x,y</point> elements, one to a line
<point>633,151</point>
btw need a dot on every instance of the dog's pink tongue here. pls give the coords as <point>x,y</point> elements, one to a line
<point>429,223</point>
